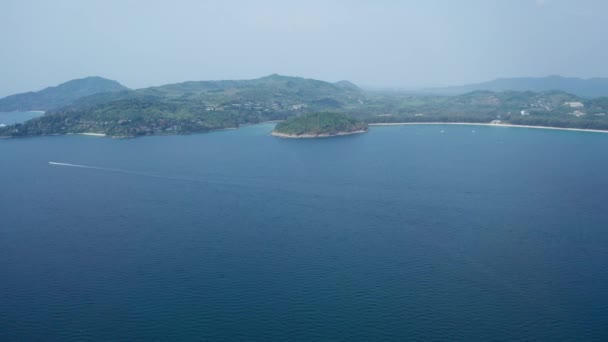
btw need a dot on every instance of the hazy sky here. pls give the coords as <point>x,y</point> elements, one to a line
<point>374,43</point>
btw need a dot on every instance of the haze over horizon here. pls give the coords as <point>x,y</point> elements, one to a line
<point>405,44</point>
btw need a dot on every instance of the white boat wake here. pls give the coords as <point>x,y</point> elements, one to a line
<point>100,168</point>
<point>213,180</point>
<point>127,172</point>
<point>73,165</point>
<point>146,174</point>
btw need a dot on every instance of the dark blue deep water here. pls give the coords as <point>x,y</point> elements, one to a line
<point>403,233</point>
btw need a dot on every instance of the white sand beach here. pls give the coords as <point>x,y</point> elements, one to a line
<point>487,124</point>
<point>92,134</point>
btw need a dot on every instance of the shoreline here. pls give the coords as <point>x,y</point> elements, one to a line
<point>89,134</point>
<point>313,136</point>
<point>489,124</point>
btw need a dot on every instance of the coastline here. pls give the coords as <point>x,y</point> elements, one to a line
<point>313,136</point>
<point>488,124</point>
<point>90,134</point>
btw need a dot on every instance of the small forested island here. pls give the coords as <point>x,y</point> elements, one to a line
<point>319,125</point>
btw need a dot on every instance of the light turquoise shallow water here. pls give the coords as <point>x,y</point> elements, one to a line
<point>400,233</point>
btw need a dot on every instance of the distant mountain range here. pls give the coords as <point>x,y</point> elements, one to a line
<point>96,90</point>
<point>270,91</point>
<point>96,105</point>
<point>592,87</point>
<point>59,96</point>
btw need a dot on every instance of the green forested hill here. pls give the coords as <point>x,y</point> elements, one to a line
<point>59,96</point>
<point>192,107</point>
<point>554,108</point>
<point>206,105</point>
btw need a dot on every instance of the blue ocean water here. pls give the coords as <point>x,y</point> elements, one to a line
<point>403,233</point>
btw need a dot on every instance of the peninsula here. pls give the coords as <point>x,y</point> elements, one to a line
<point>319,125</point>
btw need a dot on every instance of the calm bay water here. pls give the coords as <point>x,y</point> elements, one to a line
<point>400,233</point>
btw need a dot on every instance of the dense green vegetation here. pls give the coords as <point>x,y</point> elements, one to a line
<point>192,107</point>
<point>59,96</point>
<point>552,108</point>
<point>132,117</point>
<point>320,124</point>
<point>202,106</point>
